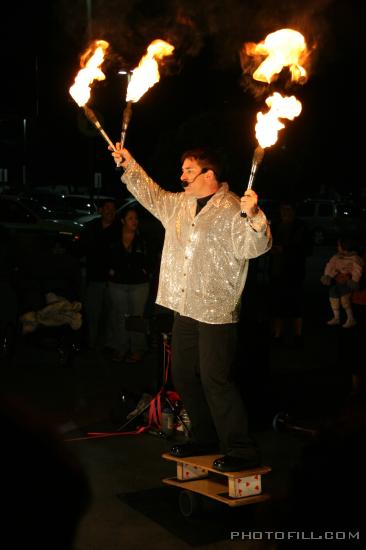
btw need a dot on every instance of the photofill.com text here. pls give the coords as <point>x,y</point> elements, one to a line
<point>295,535</point>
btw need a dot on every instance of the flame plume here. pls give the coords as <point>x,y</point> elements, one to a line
<point>142,78</point>
<point>283,48</point>
<point>147,72</point>
<point>90,64</point>
<point>90,71</point>
<point>269,124</point>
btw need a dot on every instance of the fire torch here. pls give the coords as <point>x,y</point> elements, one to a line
<point>142,78</point>
<point>90,70</point>
<point>283,48</point>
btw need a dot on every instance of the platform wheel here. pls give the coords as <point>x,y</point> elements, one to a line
<point>190,504</point>
<point>7,340</point>
<point>279,421</point>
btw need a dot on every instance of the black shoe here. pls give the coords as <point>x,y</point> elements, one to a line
<point>297,342</point>
<point>229,463</point>
<point>277,341</point>
<point>193,449</point>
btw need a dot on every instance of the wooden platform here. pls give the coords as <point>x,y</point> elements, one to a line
<point>196,474</point>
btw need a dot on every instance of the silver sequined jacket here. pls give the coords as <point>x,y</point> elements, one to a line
<point>204,262</point>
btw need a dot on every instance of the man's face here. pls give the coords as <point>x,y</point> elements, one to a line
<point>108,212</point>
<point>197,185</point>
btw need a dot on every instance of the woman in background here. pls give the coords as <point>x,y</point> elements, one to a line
<point>129,288</point>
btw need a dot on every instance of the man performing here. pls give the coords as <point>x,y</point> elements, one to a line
<point>203,271</point>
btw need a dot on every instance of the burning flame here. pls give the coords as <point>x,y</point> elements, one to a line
<point>90,62</point>
<point>147,73</point>
<point>268,125</point>
<point>283,48</point>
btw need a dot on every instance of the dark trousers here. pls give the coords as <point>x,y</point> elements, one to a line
<point>202,362</point>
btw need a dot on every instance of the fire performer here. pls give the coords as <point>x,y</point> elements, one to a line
<point>207,248</point>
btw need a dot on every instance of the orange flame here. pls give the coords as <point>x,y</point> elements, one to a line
<point>283,48</point>
<point>268,125</point>
<point>147,72</point>
<point>90,64</point>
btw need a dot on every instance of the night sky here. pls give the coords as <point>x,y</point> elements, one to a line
<point>202,97</point>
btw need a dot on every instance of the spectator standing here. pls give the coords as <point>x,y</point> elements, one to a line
<point>129,288</point>
<point>287,269</point>
<point>342,274</point>
<point>8,292</point>
<point>95,242</point>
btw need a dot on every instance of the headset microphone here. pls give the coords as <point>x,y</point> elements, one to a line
<point>186,183</point>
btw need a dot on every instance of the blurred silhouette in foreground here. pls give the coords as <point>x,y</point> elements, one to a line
<point>44,490</point>
<point>328,481</point>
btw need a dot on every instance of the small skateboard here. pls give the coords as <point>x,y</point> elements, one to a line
<point>195,475</point>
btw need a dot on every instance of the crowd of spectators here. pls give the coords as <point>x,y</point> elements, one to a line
<point>109,276</point>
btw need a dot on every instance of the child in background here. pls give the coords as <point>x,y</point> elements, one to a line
<point>342,274</point>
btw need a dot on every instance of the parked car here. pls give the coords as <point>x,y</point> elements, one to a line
<point>81,204</point>
<point>31,223</point>
<point>85,208</point>
<point>148,222</point>
<point>54,202</point>
<point>328,218</point>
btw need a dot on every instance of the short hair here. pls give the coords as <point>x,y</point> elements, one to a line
<point>103,202</point>
<point>207,158</point>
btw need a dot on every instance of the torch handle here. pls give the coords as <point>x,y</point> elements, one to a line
<point>250,185</point>
<point>93,119</point>
<point>127,113</point>
<point>108,140</point>
<point>257,159</point>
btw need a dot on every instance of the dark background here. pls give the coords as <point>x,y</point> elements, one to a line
<point>202,96</point>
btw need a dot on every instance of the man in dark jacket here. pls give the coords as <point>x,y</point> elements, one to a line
<point>95,243</point>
